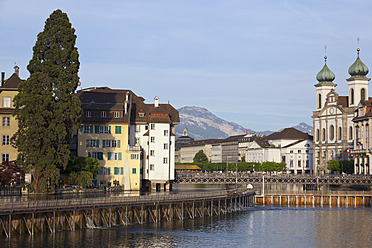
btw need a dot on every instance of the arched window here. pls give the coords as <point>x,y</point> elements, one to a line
<point>331,132</point>
<point>317,135</point>
<point>319,101</point>
<point>339,133</point>
<point>350,133</point>
<point>362,94</point>
<point>351,96</point>
<point>323,134</point>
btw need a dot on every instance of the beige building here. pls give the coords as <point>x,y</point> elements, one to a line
<point>362,152</point>
<point>9,125</point>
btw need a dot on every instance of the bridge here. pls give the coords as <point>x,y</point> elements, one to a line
<point>249,178</point>
<point>30,217</point>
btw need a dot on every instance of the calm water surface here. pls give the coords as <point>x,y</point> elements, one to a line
<point>254,227</point>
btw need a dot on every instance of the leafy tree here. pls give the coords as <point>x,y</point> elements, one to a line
<point>341,166</point>
<point>46,107</point>
<point>333,165</point>
<point>81,170</point>
<point>200,157</point>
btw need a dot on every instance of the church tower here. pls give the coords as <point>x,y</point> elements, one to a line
<point>358,82</point>
<point>325,78</point>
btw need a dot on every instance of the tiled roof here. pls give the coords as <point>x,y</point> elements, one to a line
<point>12,82</point>
<point>202,142</point>
<point>288,133</point>
<point>343,101</point>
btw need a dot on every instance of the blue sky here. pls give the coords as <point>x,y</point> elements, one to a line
<point>253,62</point>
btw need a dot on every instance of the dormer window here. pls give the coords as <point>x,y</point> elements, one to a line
<point>116,114</point>
<point>88,114</point>
<point>141,114</point>
<point>103,114</point>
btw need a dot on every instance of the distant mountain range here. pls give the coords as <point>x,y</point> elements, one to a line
<point>202,124</point>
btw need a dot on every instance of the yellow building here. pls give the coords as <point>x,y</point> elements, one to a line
<point>9,125</point>
<point>104,134</point>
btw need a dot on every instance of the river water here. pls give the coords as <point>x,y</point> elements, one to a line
<point>258,226</point>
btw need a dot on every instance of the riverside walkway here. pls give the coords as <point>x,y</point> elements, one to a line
<point>249,178</point>
<point>20,217</point>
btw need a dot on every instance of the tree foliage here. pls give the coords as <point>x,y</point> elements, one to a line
<point>200,157</point>
<point>346,166</point>
<point>46,107</point>
<point>81,170</point>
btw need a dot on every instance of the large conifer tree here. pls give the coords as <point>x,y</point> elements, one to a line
<point>46,107</point>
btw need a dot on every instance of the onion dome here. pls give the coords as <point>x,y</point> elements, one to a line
<point>325,75</point>
<point>358,69</point>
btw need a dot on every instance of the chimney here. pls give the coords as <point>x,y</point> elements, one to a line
<point>16,70</point>
<point>2,78</point>
<point>156,102</point>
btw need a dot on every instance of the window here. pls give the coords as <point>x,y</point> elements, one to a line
<point>6,140</point>
<point>166,132</point>
<point>290,151</point>
<point>165,146</point>
<point>152,139</point>
<point>362,94</point>
<point>141,114</point>
<point>152,167</point>
<point>114,156</point>
<point>4,157</point>
<point>137,141</point>
<point>103,114</point>
<point>86,129</point>
<point>339,133</point>
<point>6,121</point>
<point>317,135</point>
<point>117,129</point>
<point>323,134</point>
<point>116,114</point>
<point>97,155</point>
<point>138,128</point>
<point>351,96</point>
<point>350,133</point>
<point>92,143</point>
<point>6,102</point>
<point>152,126</point>
<point>319,101</point>
<point>299,151</point>
<point>111,143</point>
<point>121,170</point>
<point>152,153</point>
<point>116,170</point>
<point>291,163</point>
<point>88,114</point>
<point>102,129</point>
<point>307,163</point>
<point>331,132</point>
<point>165,160</point>
<point>299,163</point>
<point>134,170</point>
<point>146,127</point>
<point>134,156</point>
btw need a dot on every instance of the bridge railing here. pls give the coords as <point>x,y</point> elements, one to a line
<point>269,192</point>
<point>108,201</point>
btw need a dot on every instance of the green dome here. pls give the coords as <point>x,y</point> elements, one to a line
<point>358,69</point>
<point>325,75</point>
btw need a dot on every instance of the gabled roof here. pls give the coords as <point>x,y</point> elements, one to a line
<point>234,138</point>
<point>12,82</point>
<point>288,133</point>
<point>202,142</point>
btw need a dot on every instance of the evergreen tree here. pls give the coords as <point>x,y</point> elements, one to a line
<point>200,157</point>
<point>46,107</point>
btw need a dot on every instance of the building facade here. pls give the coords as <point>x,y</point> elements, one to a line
<point>332,121</point>
<point>9,124</point>
<point>362,152</point>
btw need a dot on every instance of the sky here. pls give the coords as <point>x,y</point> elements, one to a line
<point>253,62</point>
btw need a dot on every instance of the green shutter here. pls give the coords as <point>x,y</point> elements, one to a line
<point>81,129</point>
<point>108,171</point>
<point>100,155</point>
<point>96,129</point>
<point>87,143</point>
<point>118,143</point>
<point>97,143</point>
<point>109,129</point>
<point>134,170</point>
<point>117,129</point>
<point>103,143</point>
<point>89,155</point>
<point>119,156</point>
<point>91,129</point>
<point>115,170</point>
<point>109,156</point>
<point>121,170</point>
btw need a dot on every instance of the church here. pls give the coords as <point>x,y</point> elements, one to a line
<point>332,119</point>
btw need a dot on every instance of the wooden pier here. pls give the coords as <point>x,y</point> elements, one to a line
<point>30,217</point>
<point>331,199</point>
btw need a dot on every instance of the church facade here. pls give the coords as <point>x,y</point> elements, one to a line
<point>334,131</point>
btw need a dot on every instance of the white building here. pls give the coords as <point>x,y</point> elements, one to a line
<point>332,121</point>
<point>289,145</point>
